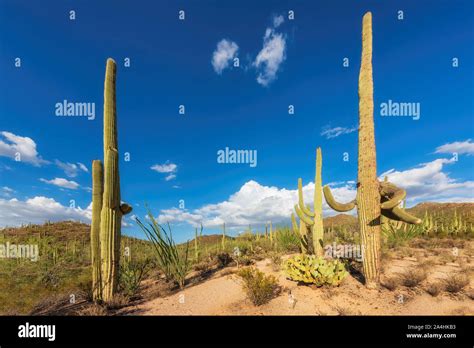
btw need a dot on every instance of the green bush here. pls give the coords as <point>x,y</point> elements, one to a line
<point>312,270</point>
<point>259,288</point>
<point>131,275</point>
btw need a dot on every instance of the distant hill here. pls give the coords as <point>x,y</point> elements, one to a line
<point>67,230</point>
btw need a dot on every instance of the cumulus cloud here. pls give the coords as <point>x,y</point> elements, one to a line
<point>460,147</point>
<point>257,204</point>
<point>252,204</point>
<point>38,210</point>
<point>61,182</point>
<point>427,181</point>
<point>20,148</point>
<point>71,169</point>
<point>271,56</point>
<point>224,53</point>
<point>166,168</point>
<point>330,133</point>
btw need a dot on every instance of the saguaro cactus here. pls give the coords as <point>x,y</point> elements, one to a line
<point>373,198</point>
<point>97,192</point>
<point>112,209</point>
<point>312,218</point>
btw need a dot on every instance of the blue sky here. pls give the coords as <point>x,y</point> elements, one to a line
<point>301,62</point>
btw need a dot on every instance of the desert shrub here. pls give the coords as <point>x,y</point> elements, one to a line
<point>172,260</point>
<point>456,282</point>
<point>223,259</point>
<point>276,261</point>
<point>433,289</point>
<point>259,288</point>
<point>287,240</point>
<point>390,283</point>
<point>310,269</point>
<point>413,277</point>
<point>131,275</point>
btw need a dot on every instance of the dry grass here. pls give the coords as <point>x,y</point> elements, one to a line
<point>434,289</point>
<point>456,282</point>
<point>413,277</point>
<point>391,283</point>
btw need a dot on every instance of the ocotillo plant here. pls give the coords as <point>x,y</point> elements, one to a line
<point>373,198</point>
<point>313,218</point>
<point>107,196</point>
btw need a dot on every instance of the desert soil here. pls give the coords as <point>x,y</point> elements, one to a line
<point>222,294</point>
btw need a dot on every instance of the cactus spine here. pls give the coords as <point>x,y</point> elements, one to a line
<point>112,209</point>
<point>373,198</point>
<point>312,218</point>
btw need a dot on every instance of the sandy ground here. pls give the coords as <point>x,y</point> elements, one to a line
<point>222,294</point>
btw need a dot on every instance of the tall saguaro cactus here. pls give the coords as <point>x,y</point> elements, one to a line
<point>312,218</point>
<point>107,195</point>
<point>373,198</point>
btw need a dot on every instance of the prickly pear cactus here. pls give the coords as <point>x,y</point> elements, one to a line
<point>310,269</point>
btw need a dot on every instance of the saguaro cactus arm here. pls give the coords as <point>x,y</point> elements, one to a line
<point>399,214</point>
<point>303,217</point>
<point>341,207</point>
<point>97,192</point>
<point>303,208</point>
<point>391,195</point>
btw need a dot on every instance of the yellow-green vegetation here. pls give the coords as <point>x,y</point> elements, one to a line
<point>259,287</point>
<point>63,267</point>
<point>311,269</point>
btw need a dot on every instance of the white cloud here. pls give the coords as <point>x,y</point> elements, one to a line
<point>13,145</point>
<point>460,147</point>
<point>277,21</point>
<point>71,169</point>
<point>38,210</point>
<point>270,57</point>
<point>83,167</point>
<point>225,52</point>
<point>330,133</point>
<point>252,204</point>
<point>167,168</point>
<point>428,182</point>
<point>170,177</point>
<point>6,191</point>
<point>61,182</point>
